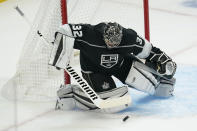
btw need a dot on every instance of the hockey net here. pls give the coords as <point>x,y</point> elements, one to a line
<point>35,80</point>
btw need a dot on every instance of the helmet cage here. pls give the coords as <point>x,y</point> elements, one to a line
<point>112,34</point>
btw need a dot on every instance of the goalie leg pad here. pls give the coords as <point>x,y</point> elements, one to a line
<point>141,80</point>
<point>71,96</point>
<point>65,99</point>
<point>83,102</point>
<point>165,88</point>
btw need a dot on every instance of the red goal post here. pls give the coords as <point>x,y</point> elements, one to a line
<point>65,21</point>
<point>146,20</point>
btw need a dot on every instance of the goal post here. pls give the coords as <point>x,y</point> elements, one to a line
<point>34,79</point>
<point>65,21</point>
<point>146,20</point>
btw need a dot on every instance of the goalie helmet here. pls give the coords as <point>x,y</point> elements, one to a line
<point>112,34</point>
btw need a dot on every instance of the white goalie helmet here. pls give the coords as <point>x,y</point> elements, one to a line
<point>112,34</point>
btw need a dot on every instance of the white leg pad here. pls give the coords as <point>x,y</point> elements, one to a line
<point>141,80</point>
<point>83,103</point>
<point>71,96</point>
<point>65,99</point>
<point>165,88</point>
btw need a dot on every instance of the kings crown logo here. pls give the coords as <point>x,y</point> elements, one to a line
<point>109,60</point>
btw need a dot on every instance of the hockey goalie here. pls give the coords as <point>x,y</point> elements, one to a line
<point>109,50</point>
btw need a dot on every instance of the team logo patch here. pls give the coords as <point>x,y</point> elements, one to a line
<point>109,60</point>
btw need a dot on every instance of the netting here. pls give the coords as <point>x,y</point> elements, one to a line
<point>34,78</point>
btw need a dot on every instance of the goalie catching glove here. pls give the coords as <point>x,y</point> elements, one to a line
<point>162,63</point>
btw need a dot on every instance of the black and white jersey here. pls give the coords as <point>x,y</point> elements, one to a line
<point>94,54</point>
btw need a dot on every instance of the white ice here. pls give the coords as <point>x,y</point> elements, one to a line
<point>173,28</point>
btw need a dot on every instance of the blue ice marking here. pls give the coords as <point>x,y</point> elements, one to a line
<point>190,3</point>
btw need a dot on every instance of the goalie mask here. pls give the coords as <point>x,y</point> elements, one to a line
<point>112,34</point>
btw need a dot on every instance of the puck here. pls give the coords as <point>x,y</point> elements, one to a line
<point>125,118</point>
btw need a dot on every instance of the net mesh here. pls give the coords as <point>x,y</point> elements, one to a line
<point>35,79</point>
